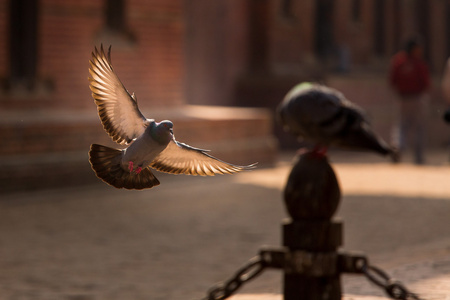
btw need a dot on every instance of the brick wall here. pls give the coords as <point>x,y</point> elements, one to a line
<point>48,131</point>
<point>152,66</point>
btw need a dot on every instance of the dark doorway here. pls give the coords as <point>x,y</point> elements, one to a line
<point>324,40</point>
<point>23,35</point>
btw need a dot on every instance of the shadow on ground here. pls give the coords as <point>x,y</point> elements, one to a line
<point>177,240</point>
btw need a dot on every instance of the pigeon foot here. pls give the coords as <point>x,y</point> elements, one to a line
<point>131,168</point>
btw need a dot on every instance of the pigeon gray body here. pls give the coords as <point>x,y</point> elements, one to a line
<point>323,116</point>
<point>150,144</point>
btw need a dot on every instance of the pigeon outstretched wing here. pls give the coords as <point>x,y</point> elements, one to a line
<point>151,143</point>
<point>179,158</point>
<point>118,110</point>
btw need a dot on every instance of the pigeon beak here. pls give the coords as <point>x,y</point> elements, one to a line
<point>171,131</point>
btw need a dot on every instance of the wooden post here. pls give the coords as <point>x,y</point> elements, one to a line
<point>312,196</point>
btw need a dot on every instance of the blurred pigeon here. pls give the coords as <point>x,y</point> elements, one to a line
<point>323,115</point>
<point>151,144</point>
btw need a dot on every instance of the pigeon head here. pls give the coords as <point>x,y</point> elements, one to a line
<point>298,88</point>
<point>162,132</point>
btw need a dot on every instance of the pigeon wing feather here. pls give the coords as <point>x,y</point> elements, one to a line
<point>118,110</point>
<point>179,158</point>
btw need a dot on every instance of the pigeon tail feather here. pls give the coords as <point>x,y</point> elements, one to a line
<point>106,163</point>
<point>363,138</point>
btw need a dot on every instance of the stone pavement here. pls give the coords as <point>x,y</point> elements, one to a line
<point>177,240</point>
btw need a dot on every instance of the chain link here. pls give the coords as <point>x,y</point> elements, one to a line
<point>255,266</point>
<point>395,289</point>
<point>225,289</point>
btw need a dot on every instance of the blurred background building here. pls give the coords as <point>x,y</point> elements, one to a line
<point>187,60</point>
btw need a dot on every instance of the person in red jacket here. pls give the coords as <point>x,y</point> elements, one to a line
<point>409,77</point>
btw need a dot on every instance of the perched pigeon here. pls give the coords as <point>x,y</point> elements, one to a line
<point>323,116</point>
<point>151,144</point>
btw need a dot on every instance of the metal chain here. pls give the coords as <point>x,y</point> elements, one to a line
<point>395,289</point>
<point>255,266</point>
<point>225,289</point>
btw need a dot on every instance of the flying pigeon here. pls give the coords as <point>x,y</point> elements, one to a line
<point>151,144</point>
<point>323,116</point>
